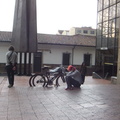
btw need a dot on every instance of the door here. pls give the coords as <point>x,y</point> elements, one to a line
<point>87,59</point>
<point>66,59</point>
<point>37,62</point>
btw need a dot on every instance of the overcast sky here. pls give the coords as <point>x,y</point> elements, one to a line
<point>54,15</point>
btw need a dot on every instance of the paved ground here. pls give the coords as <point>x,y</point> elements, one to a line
<point>96,100</point>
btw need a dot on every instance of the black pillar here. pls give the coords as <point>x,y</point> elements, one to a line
<point>29,64</point>
<point>20,64</point>
<point>25,63</point>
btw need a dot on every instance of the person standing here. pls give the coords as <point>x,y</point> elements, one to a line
<point>73,78</point>
<point>11,62</point>
<point>83,70</point>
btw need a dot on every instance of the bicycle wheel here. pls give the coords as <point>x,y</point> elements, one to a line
<point>39,80</point>
<point>63,78</point>
<point>30,80</point>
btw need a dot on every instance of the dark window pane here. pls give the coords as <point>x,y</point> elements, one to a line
<point>85,31</point>
<point>87,59</point>
<point>66,58</point>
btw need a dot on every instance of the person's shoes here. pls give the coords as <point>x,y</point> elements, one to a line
<point>9,86</point>
<point>69,88</point>
<point>76,88</point>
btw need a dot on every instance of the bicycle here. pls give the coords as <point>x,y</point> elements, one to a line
<point>47,76</point>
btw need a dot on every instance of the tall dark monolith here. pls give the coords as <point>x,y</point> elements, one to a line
<point>24,35</point>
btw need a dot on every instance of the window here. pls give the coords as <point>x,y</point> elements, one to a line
<point>85,31</point>
<point>92,32</point>
<point>87,59</point>
<point>66,58</point>
<point>78,31</point>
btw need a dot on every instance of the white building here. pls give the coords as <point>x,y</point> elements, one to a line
<point>55,50</point>
<point>79,30</point>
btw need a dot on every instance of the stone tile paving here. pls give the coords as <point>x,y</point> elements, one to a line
<point>97,101</point>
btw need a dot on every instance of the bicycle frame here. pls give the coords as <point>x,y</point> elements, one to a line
<point>47,76</point>
<point>56,77</point>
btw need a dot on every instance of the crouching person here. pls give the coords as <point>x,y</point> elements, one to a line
<point>73,78</point>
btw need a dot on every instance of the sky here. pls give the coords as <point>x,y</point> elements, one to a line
<point>54,15</point>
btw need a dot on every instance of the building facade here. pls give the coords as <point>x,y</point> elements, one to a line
<point>53,50</point>
<point>83,31</point>
<point>88,31</point>
<point>108,20</point>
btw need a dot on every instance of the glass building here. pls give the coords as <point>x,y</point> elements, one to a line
<point>108,15</point>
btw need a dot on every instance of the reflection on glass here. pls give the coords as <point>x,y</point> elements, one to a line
<point>105,27</point>
<point>112,26</point>
<point>105,14</point>
<point>106,3</point>
<point>112,2</point>
<point>104,41</point>
<point>112,12</point>
<point>108,30</point>
<point>99,29</point>
<point>100,17</point>
<point>111,41</point>
<point>118,9</point>
<point>118,0</point>
<point>117,25</point>
<point>99,5</point>
<point>98,42</point>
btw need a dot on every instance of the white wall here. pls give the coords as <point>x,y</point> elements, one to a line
<point>55,56</point>
<point>3,49</point>
<point>79,53</point>
<point>52,54</point>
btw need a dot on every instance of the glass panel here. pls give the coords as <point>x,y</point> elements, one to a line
<point>111,33</point>
<point>105,14</point>
<point>111,41</point>
<point>112,27</point>
<point>112,12</point>
<point>105,27</point>
<point>99,5</point>
<point>117,24</point>
<point>118,0</point>
<point>106,3</point>
<point>118,9</point>
<point>112,2</point>
<point>99,29</point>
<point>98,42</point>
<point>104,41</point>
<point>99,17</point>
<point>117,38</point>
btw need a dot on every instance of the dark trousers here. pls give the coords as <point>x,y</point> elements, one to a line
<point>70,81</point>
<point>83,78</point>
<point>10,74</point>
